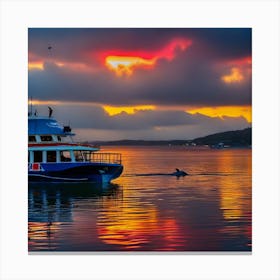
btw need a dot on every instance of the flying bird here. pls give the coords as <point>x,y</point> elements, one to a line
<point>50,49</point>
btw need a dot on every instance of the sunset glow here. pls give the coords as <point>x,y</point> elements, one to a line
<point>73,66</point>
<point>221,111</point>
<point>150,81</point>
<point>124,63</point>
<point>234,76</point>
<point>243,61</point>
<point>113,110</point>
<point>45,102</point>
<point>239,69</point>
<point>36,65</point>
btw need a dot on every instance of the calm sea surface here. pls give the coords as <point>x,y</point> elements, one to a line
<point>146,210</point>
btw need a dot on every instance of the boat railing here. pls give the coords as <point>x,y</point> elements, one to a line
<point>114,158</point>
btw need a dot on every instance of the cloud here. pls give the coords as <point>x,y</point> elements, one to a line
<point>77,43</point>
<point>187,80</point>
<point>143,124</point>
<point>124,63</point>
<point>75,70</point>
<point>94,116</point>
<point>185,76</point>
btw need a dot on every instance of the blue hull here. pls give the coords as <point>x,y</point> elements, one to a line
<point>74,172</point>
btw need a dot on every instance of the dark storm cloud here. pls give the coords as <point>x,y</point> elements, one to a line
<point>223,43</point>
<point>95,117</point>
<point>178,83</point>
<point>74,42</point>
<point>142,123</point>
<point>192,78</point>
<point>85,45</point>
<point>196,81</point>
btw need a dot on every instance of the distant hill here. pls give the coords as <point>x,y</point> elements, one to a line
<point>142,142</point>
<point>231,138</point>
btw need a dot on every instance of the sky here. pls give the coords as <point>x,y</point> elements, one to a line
<point>142,83</point>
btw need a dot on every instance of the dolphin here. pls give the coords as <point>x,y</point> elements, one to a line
<point>179,173</point>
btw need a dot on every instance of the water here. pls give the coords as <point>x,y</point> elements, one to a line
<point>210,210</point>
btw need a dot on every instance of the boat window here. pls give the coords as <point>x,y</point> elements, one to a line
<point>58,138</point>
<point>51,156</point>
<point>46,138</point>
<point>31,138</point>
<point>78,155</point>
<point>87,155</point>
<point>38,156</point>
<point>65,156</point>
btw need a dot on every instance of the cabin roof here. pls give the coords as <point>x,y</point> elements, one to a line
<point>45,125</point>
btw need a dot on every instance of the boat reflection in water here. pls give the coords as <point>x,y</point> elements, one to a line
<point>51,209</point>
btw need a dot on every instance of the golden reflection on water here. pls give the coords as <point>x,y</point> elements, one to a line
<point>203,211</point>
<point>129,226</point>
<point>132,225</point>
<point>234,200</point>
<point>233,194</point>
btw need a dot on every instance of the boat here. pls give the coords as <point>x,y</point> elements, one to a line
<point>53,155</point>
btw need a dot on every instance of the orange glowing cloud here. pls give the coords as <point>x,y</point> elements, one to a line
<point>239,69</point>
<point>46,102</point>
<point>234,76</point>
<point>114,110</point>
<point>221,111</point>
<point>36,65</point>
<point>124,63</point>
<point>76,66</point>
<point>36,62</point>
